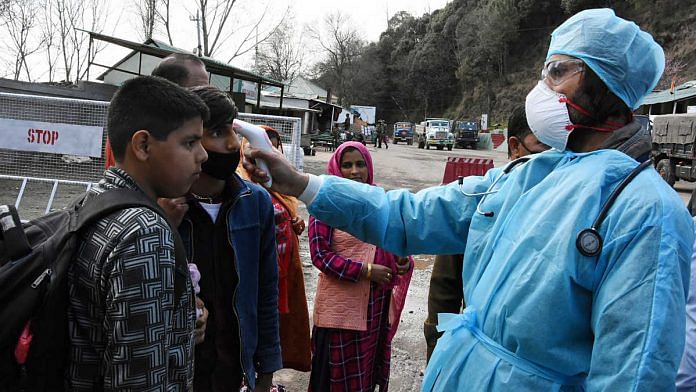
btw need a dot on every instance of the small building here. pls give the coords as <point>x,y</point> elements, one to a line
<point>144,57</point>
<point>672,101</point>
<point>303,94</point>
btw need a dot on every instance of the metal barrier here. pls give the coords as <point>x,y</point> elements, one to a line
<point>290,130</point>
<point>60,194</point>
<point>52,110</point>
<point>53,171</point>
<point>462,167</point>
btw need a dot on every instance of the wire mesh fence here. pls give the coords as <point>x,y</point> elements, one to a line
<point>290,130</point>
<point>52,110</point>
<point>37,182</point>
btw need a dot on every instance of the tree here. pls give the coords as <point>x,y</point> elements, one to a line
<point>281,56</point>
<point>673,73</point>
<point>342,46</point>
<point>163,17</point>
<point>49,38</point>
<point>71,16</point>
<point>146,11</point>
<point>216,28</point>
<point>20,20</point>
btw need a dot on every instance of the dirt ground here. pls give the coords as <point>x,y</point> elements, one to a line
<point>399,166</point>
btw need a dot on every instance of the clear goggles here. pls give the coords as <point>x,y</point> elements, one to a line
<point>557,72</point>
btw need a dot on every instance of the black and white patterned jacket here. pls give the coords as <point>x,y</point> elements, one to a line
<point>125,331</point>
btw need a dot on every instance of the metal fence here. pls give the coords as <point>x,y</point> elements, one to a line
<point>34,197</point>
<point>94,113</point>
<point>38,181</point>
<point>55,110</point>
<point>290,130</point>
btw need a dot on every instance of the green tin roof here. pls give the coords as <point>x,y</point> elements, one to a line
<point>681,92</point>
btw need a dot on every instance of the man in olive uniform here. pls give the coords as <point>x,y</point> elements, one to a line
<point>381,130</point>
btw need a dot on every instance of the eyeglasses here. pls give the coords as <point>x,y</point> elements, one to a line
<point>557,72</point>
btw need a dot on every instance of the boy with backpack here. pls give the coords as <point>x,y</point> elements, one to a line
<point>131,311</point>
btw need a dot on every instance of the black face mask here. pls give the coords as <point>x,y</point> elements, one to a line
<point>221,166</point>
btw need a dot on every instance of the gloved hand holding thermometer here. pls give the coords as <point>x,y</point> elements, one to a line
<point>258,138</point>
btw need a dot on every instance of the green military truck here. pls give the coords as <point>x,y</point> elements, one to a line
<point>673,139</point>
<point>466,134</point>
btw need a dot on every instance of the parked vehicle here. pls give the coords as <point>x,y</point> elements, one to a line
<point>673,140</point>
<point>307,144</point>
<point>403,132</point>
<point>466,134</point>
<point>438,134</point>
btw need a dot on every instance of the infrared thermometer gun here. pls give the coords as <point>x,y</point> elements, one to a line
<point>258,138</point>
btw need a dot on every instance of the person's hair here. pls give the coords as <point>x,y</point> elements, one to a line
<point>153,104</point>
<point>346,150</point>
<point>517,126</point>
<point>594,96</point>
<point>273,134</point>
<point>175,70</point>
<point>221,106</point>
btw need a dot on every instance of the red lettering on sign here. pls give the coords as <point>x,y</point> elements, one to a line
<point>42,136</point>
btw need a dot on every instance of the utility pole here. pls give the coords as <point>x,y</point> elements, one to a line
<point>197,19</point>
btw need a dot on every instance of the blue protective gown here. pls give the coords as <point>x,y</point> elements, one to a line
<point>540,316</point>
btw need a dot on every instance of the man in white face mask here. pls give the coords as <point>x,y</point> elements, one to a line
<point>572,280</point>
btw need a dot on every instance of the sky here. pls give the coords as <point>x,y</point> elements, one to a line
<point>367,17</point>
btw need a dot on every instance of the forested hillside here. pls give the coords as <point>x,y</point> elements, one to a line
<point>483,56</point>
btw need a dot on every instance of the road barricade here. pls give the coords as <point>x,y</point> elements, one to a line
<point>463,167</point>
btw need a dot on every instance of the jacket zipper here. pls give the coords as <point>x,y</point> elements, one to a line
<point>46,273</point>
<point>234,293</point>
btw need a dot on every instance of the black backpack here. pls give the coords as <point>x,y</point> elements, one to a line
<point>34,260</point>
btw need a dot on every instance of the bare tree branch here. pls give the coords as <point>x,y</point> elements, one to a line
<point>341,49</point>
<point>146,11</point>
<point>71,16</point>
<point>281,56</point>
<point>162,15</point>
<point>48,33</point>
<point>251,45</point>
<point>21,18</point>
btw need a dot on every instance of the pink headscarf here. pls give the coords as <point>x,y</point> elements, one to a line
<point>399,284</point>
<point>334,166</point>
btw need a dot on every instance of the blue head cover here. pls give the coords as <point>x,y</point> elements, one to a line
<point>628,60</point>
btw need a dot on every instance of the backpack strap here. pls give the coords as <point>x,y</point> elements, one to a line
<point>16,244</point>
<point>93,207</point>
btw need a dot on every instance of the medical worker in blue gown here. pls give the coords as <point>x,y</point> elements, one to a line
<point>560,296</point>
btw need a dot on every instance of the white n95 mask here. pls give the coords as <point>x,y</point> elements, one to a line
<point>547,116</point>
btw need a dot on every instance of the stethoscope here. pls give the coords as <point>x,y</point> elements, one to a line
<point>508,168</point>
<point>589,241</point>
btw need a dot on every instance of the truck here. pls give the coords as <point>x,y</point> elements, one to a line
<point>466,134</point>
<point>368,114</point>
<point>437,133</point>
<point>673,141</point>
<point>403,132</point>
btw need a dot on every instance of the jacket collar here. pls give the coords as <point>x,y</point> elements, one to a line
<point>118,178</point>
<point>237,186</point>
<point>632,139</point>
